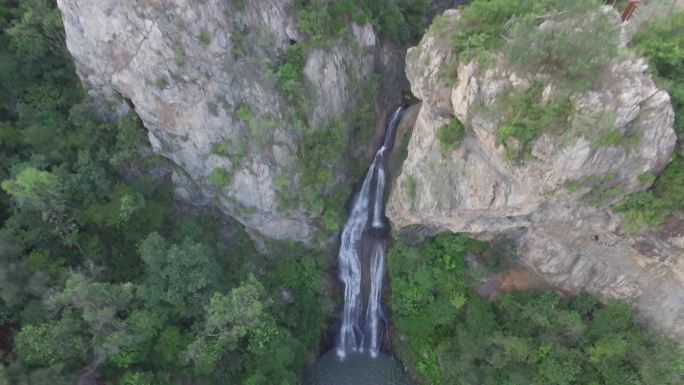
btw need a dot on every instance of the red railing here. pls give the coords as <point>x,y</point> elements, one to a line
<point>629,10</point>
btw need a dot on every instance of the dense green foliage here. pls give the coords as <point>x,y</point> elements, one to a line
<point>102,274</point>
<point>451,336</point>
<point>400,20</point>
<point>220,178</point>
<point>100,271</point>
<point>662,42</point>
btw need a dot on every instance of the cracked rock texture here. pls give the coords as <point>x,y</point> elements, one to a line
<point>200,74</point>
<point>557,204</point>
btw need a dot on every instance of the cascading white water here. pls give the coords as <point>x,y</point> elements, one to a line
<point>350,269</point>
<point>368,204</point>
<point>374,310</point>
<point>378,197</point>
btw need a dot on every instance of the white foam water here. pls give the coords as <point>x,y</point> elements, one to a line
<point>358,331</point>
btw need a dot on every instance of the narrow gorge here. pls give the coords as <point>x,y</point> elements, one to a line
<point>363,245</point>
<point>361,331</point>
<point>322,192</point>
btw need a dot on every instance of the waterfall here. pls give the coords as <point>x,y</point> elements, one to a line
<point>359,332</point>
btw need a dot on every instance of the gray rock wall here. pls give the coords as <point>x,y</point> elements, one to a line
<point>194,69</point>
<point>560,199</point>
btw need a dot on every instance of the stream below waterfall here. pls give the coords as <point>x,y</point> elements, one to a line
<point>357,359</point>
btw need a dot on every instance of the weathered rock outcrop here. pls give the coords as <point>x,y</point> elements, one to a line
<point>201,76</point>
<point>558,201</point>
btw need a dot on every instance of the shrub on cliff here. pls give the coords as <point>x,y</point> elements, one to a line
<point>566,43</point>
<point>527,118</point>
<point>290,75</point>
<point>570,40</point>
<point>573,45</point>
<point>450,135</point>
<point>662,42</point>
<point>398,20</point>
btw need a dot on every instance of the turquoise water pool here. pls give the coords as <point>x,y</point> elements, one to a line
<point>356,369</point>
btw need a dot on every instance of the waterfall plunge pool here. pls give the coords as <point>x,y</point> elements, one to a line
<point>356,369</point>
<point>357,359</point>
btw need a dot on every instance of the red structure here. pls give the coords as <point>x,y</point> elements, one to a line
<point>629,10</point>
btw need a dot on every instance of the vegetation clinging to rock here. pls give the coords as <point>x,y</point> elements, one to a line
<point>569,42</point>
<point>323,20</point>
<point>572,41</point>
<point>526,118</point>
<point>102,272</point>
<point>486,26</point>
<point>662,42</point>
<point>450,135</point>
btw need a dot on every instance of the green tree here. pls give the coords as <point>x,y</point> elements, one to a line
<point>41,190</point>
<point>243,313</point>
<point>181,277</point>
<point>170,345</point>
<point>59,343</point>
<point>522,338</point>
<point>99,306</point>
<point>19,281</point>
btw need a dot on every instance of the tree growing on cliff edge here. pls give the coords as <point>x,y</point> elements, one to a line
<point>662,42</point>
<point>572,44</point>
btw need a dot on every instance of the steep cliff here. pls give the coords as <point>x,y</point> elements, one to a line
<point>259,117</point>
<point>552,187</point>
<point>226,92</point>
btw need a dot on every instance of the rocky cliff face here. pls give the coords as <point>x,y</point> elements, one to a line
<point>557,198</point>
<point>201,76</point>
